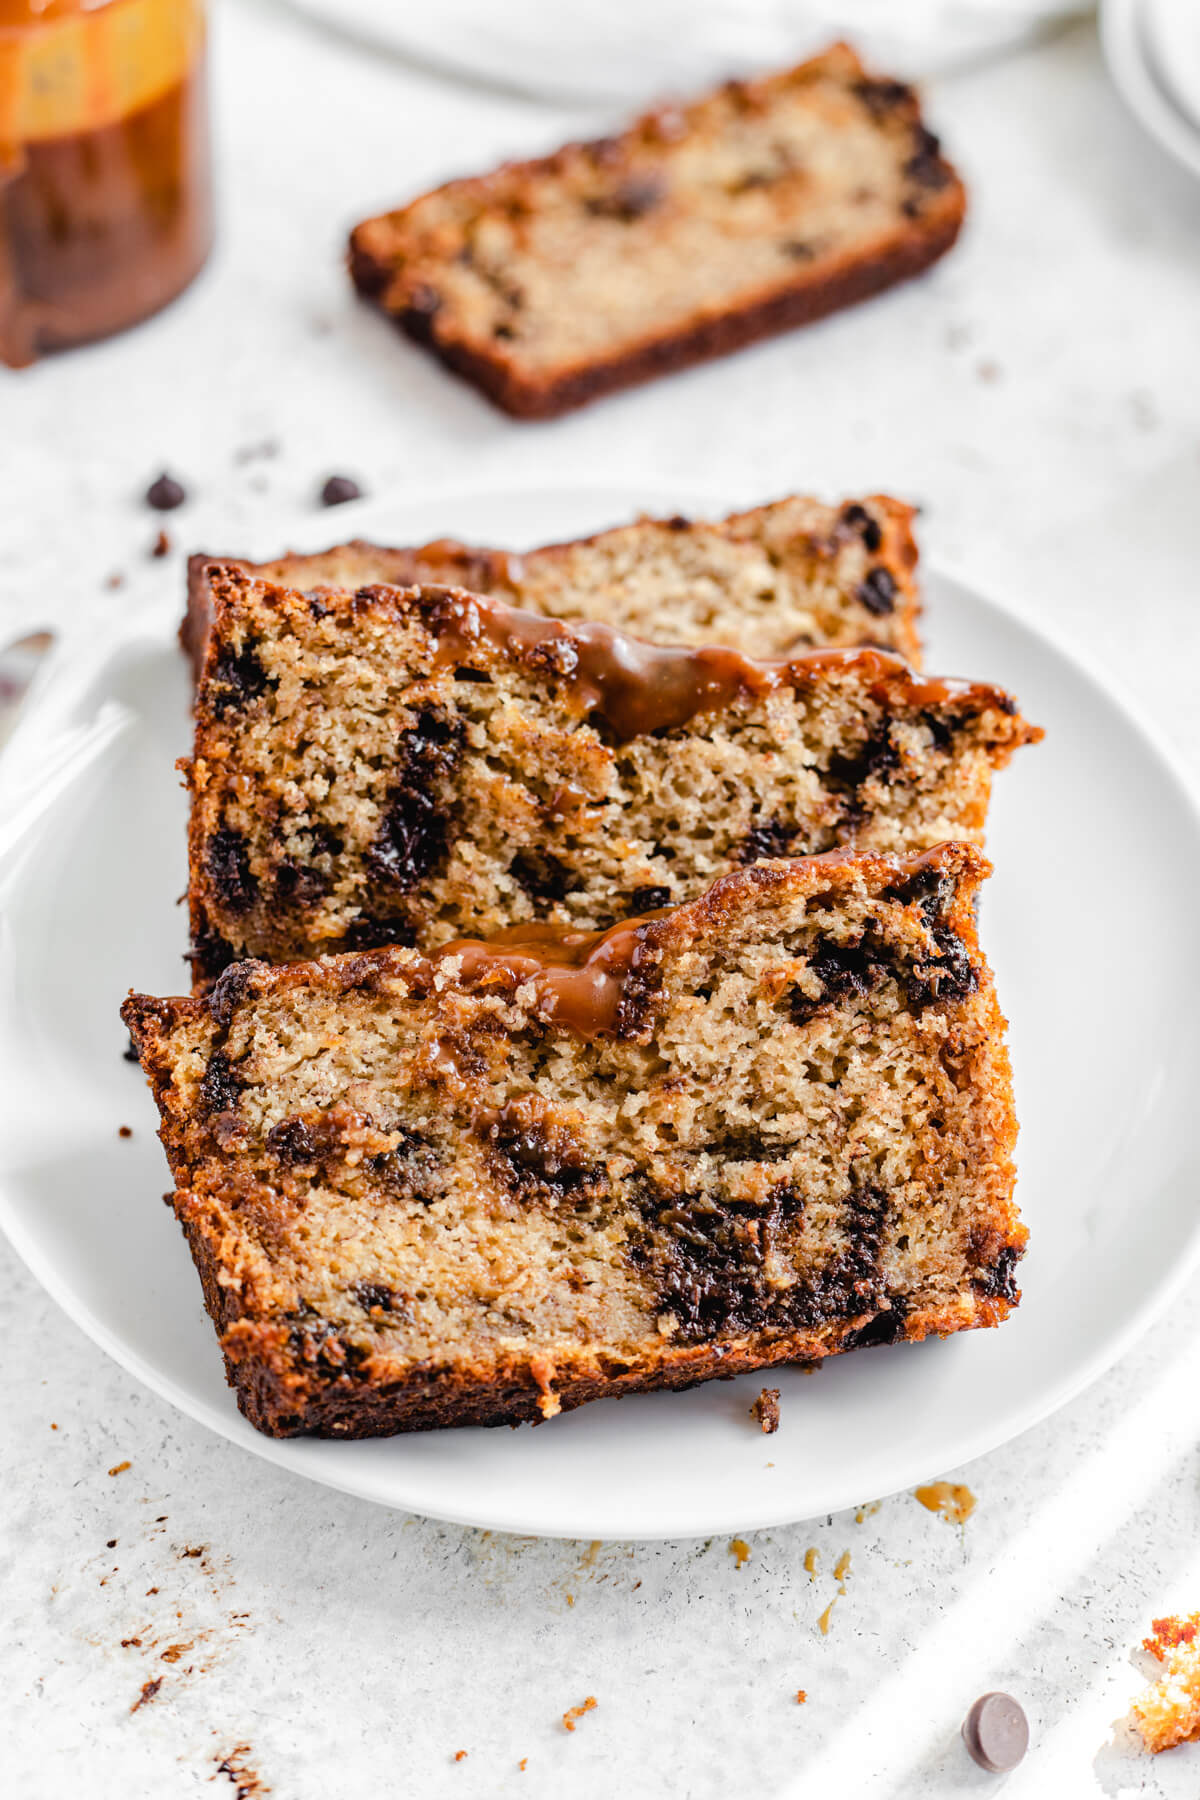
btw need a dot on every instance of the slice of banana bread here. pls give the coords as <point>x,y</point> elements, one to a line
<point>415,764</point>
<point>494,1182</point>
<point>761,206</point>
<point>785,577</point>
<point>794,574</point>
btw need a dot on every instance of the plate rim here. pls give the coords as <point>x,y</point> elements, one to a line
<point>296,1455</point>
<point>1127,58</point>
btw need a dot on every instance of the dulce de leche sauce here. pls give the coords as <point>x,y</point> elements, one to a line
<point>105,197</point>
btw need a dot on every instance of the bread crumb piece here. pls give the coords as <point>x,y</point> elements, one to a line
<point>125,1131</point>
<point>521,1764</point>
<point>740,1548</point>
<point>161,545</point>
<point>460,1756</point>
<point>120,1468</point>
<point>864,1512</point>
<point>576,1712</point>
<point>570,1599</point>
<point>1168,1713</point>
<point>801,1696</point>
<point>766,1410</point>
<point>949,1498</point>
<point>149,1689</point>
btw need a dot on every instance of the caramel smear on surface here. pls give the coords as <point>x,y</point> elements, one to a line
<point>825,1617</point>
<point>949,1498</point>
<point>740,1548</point>
<point>576,1712</point>
<point>1168,1713</point>
<point>810,1562</point>
<point>864,1512</point>
<point>841,1569</point>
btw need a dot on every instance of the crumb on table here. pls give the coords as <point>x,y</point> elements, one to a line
<point>1168,1712</point>
<point>576,1712</point>
<point>766,1409</point>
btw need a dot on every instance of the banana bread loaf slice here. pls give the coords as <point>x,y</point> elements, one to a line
<point>493,1182</point>
<point>761,206</point>
<point>792,575</point>
<point>415,764</point>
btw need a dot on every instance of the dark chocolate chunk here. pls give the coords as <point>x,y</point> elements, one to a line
<point>237,677</point>
<point>542,875</point>
<point>636,196</point>
<point>877,756</point>
<point>649,899</point>
<point>845,971</point>
<point>885,1328</point>
<point>798,250</point>
<point>165,494</point>
<point>415,832</point>
<point>925,165</point>
<point>220,1089</point>
<point>1000,1281</point>
<point>768,838</point>
<point>878,592</point>
<point>228,864</point>
<point>860,520</point>
<point>338,489</point>
<point>292,1142</point>
<point>679,522</point>
<point>883,96</point>
<point>230,990</point>
<point>376,1296</point>
<point>996,1733</point>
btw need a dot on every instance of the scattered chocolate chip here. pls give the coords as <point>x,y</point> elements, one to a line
<point>338,489</point>
<point>237,677</point>
<point>414,833</point>
<point>376,1296</point>
<point>227,862</point>
<point>220,1088</point>
<point>766,1410</point>
<point>165,494</point>
<point>125,1131</point>
<point>769,837</point>
<point>996,1733</point>
<point>161,545</point>
<point>878,592</point>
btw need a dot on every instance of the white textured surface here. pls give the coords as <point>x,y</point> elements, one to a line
<point>1039,395</point>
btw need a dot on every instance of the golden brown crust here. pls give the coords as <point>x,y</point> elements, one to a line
<point>407,260</point>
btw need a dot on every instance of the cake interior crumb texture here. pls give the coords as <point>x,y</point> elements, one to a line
<point>760,206</point>
<point>497,1180</point>
<point>412,765</point>
<point>793,575</point>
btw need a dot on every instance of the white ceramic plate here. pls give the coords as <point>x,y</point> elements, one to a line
<point>1089,921</point>
<point>1136,39</point>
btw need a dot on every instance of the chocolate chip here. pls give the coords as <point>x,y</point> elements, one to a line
<point>338,489</point>
<point>925,166</point>
<point>883,97</point>
<point>220,1089</point>
<point>649,899</point>
<point>165,494</point>
<point>798,250</point>
<point>766,838</point>
<point>129,1054</point>
<point>1000,1282</point>
<point>228,864</point>
<point>996,1733</point>
<point>878,592</point>
<point>636,196</point>
<point>678,522</point>
<point>237,677</point>
<point>860,520</point>
<point>845,971</point>
<point>542,876</point>
<point>414,833</point>
<point>292,1142</point>
<point>877,757</point>
<point>376,1296</point>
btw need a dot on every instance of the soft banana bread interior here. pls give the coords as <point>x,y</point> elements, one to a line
<point>412,765</point>
<point>492,1182</point>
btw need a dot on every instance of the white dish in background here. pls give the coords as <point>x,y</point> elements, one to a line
<point>1089,922</point>
<point>1134,46</point>
<point>1172,31</point>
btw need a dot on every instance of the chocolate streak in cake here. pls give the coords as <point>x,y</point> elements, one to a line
<point>637,688</point>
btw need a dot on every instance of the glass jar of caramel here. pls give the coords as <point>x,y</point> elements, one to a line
<point>105,184</point>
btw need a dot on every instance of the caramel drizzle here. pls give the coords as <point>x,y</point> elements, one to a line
<point>636,687</point>
<point>581,977</point>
